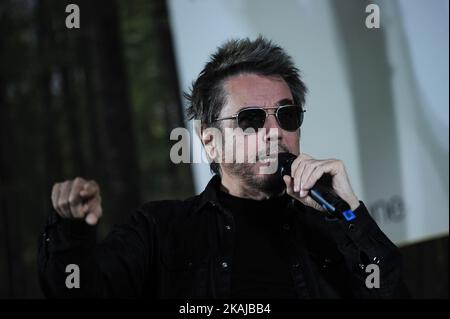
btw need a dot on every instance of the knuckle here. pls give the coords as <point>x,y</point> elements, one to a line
<point>318,171</point>
<point>87,185</point>
<point>67,186</point>
<point>94,185</point>
<point>313,166</point>
<point>78,181</point>
<point>310,162</point>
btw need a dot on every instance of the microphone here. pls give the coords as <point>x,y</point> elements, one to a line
<point>321,193</point>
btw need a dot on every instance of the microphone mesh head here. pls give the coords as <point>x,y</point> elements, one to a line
<point>284,163</point>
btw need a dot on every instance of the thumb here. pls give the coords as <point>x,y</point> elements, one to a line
<point>289,185</point>
<point>308,201</point>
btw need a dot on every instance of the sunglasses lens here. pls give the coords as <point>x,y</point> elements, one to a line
<point>290,117</point>
<point>252,118</point>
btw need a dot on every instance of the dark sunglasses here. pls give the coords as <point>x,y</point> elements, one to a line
<point>289,117</point>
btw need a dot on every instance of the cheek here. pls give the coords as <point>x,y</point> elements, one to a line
<point>243,144</point>
<point>292,140</point>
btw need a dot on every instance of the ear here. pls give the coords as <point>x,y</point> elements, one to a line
<point>211,138</point>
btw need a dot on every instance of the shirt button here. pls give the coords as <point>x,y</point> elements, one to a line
<point>296,265</point>
<point>228,227</point>
<point>224,265</point>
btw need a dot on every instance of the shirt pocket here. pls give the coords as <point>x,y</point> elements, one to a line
<point>174,261</point>
<point>184,275</point>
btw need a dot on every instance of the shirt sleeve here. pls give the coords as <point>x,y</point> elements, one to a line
<point>373,262</point>
<point>116,267</point>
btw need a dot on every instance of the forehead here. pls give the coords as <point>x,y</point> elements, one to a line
<point>245,90</point>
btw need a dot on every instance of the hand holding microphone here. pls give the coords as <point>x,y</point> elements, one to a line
<point>303,177</point>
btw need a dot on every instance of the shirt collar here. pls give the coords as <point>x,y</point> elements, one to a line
<point>210,195</point>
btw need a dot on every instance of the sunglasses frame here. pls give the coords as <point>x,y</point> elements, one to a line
<point>277,108</point>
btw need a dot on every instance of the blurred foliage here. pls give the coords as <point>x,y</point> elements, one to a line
<point>153,82</point>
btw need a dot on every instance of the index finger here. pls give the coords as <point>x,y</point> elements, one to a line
<point>77,185</point>
<point>301,157</point>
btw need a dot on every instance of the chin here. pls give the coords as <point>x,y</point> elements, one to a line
<point>268,183</point>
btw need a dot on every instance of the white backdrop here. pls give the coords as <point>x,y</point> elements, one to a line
<point>406,181</point>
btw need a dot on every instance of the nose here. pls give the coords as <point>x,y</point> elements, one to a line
<point>272,130</point>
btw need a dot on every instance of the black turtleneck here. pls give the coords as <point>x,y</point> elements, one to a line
<point>260,268</point>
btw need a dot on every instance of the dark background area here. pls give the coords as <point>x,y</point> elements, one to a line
<point>100,102</point>
<point>97,102</point>
<point>425,267</point>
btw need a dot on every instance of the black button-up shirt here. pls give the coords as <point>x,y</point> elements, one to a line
<point>261,267</point>
<point>184,249</point>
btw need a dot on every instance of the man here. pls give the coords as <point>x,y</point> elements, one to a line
<point>250,234</point>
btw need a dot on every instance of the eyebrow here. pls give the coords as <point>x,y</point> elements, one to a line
<point>284,102</point>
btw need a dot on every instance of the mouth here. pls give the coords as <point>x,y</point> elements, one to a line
<point>268,158</point>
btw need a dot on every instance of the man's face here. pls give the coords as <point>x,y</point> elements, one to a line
<point>251,90</point>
